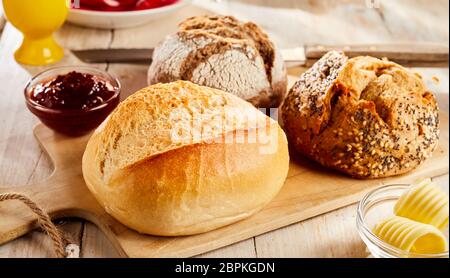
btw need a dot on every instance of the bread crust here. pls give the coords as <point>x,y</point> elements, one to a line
<point>188,188</point>
<point>365,117</point>
<point>223,53</point>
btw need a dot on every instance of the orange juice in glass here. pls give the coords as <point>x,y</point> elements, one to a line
<point>37,20</point>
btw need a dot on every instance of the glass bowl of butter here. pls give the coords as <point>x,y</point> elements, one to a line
<point>405,221</point>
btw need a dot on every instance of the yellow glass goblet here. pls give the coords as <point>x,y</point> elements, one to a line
<point>37,20</point>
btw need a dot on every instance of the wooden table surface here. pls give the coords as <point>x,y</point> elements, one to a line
<point>290,23</point>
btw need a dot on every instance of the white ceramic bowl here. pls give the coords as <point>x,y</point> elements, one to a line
<point>117,20</point>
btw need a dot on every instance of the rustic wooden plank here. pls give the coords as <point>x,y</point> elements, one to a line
<point>243,249</point>
<point>22,161</point>
<point>416,20</point>
<point>442,181</point>
<point>19,152</point>
<point>38,244</point>
<point>330,235</point>
<point>95,244</point>
<point>323,21</point>
<point>299,22</point>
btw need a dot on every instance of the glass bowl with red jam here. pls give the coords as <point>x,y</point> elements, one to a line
<point>72,100</point>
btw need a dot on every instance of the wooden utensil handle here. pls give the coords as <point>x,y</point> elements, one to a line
<point>399,52</point>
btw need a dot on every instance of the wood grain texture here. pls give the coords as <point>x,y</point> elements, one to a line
<point>92,236</point>
<point>321,21</point>
<point>329,236</point>
<point>22,161</point>
<point>243,249</point>
<point>309,190</point>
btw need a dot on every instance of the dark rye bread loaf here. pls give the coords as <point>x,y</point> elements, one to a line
<point>365,117</point>
<point>223,53</point>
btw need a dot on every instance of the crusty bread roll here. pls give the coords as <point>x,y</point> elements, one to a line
<point>179,159</point>
<point>223,53</point>
<point>366,117</point>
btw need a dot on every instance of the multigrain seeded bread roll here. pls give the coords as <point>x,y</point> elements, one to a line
<point>179,159</point>
<point>223,53</point>
<point>365,117</point>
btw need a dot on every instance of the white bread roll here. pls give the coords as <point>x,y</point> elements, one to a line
<point>180,159</point>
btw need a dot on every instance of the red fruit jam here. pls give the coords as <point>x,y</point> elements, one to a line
<point>72,102</point>
<point>74,90</point>
<point>152,4</point>
<point>120,5</point>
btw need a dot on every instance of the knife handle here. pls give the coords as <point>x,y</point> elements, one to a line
<point>115,55</point>
<point>419,54</point>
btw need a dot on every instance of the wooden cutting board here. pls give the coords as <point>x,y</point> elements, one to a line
<point>310,190</point>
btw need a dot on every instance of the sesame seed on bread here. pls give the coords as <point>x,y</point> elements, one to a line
<point>365,117</point>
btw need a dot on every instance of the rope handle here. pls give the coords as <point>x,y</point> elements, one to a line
<point>63,248</point>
